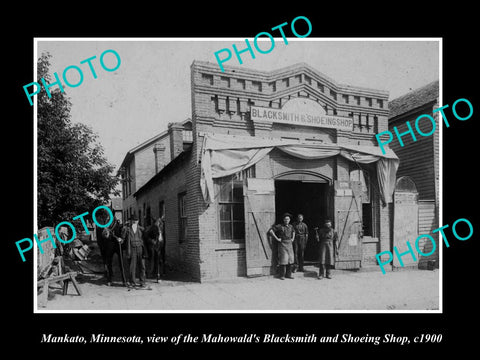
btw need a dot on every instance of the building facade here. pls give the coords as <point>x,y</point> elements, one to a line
<point>264,143</point>
<point>419,160</point>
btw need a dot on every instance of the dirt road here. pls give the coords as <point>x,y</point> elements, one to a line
<point>403,290</point>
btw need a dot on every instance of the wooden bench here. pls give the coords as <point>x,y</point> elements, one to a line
<point>64,278</point>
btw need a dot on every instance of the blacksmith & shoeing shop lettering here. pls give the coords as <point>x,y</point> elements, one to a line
<point>306,119</point>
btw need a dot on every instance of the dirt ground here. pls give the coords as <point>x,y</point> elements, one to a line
<point>348,290</point>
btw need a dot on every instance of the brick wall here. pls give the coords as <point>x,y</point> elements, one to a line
<point>144,166</point>
<point>222,99</point>
<point>166,189</point>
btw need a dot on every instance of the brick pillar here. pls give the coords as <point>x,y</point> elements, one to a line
<point>175,131</point>
<point>159,153</point>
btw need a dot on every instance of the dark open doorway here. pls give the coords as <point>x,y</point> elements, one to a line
<point>307,198</point>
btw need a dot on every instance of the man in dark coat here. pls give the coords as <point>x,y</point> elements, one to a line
<point>301,238</point>
<point>133,235</point>
<point>328,238</point>
<point>285,236</point>
<point>112,244</point>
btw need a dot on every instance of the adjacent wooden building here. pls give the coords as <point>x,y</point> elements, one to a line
<point>420,159</point>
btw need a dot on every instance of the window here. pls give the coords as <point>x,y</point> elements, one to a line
<point>230,209</point>
<point>229,194</point>
<point>182,217</point>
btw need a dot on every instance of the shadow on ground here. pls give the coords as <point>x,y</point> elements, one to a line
<point>92,271</point>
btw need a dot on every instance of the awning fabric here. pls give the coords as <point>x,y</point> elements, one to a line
<point>224,155</point>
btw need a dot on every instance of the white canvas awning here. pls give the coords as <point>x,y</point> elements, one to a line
<point>224,155</point>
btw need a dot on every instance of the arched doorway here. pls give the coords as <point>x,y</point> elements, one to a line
<point>303,192</point>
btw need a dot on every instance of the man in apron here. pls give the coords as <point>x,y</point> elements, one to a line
<point>285,235</point>
<point>328,238</point>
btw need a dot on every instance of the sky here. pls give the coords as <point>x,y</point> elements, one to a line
<point>151,87</point>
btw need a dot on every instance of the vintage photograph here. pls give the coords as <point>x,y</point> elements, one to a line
<point>298,180</point>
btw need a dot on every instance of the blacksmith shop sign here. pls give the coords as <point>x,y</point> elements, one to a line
<point>302,118</point>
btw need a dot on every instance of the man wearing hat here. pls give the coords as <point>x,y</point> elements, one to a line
<point>285,235</point>
<point>328,238</point>
<point>133,235</point>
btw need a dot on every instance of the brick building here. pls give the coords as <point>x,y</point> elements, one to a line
<point>264,143</point>
<point>419,159</point>
<point>143,161</point>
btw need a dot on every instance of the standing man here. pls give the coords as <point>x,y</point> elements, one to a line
<point>113,245</point>
<point>328,238</point>
<point>285,236</point>
<point>301,238</point>
<point>133,235</point>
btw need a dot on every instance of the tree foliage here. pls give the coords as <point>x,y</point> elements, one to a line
<point>73,175</point>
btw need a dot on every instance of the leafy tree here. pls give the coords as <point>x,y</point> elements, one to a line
<point>73,175</point>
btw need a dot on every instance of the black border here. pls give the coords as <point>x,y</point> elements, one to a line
<point>455,26</point>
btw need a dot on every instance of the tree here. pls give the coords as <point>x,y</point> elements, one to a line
<point>73,175</point>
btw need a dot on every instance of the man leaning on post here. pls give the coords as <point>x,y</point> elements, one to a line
<point>328,239</point>
<point>285,236</point>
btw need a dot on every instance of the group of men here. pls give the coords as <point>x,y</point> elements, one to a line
<point>292,240</point>
<point>130,239</point>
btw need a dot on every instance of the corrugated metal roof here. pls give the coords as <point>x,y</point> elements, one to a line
<point>414,99</point>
